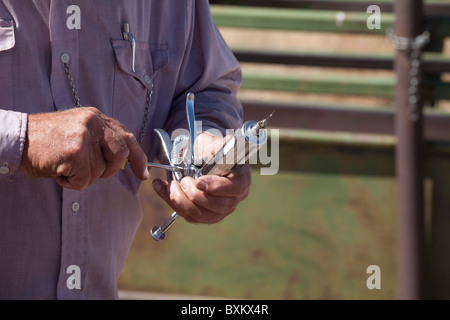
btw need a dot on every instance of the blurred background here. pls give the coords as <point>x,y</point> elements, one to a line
<point>312,230</point>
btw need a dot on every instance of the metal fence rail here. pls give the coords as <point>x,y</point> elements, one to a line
<point>296,19</point>
<point>431,8</point>
<point>432,64</point>
<point>334,119</point>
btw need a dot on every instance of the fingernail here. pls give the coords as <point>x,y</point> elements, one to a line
<point>202,186</point>
<point>156,186</point>
<point>184,184</point>
<point>146,174</point>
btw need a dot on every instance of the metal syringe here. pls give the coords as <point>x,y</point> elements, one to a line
<point>236,151</point>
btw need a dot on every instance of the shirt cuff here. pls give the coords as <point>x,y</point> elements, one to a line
<point>13,130</point>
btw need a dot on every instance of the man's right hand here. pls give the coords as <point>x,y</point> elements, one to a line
<point>78,146</point>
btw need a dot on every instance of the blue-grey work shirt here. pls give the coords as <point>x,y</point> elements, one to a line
<point>48,234</point>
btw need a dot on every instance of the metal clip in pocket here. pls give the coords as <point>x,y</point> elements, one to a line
<point>129,37</point>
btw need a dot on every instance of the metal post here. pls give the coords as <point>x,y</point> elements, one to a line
<point>409,162</point>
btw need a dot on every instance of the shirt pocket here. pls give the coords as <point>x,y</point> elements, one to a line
<point>131,89</point>
<point>7,43</point>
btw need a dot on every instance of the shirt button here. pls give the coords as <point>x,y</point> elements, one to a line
<point>4,169</point>
<point>75,206</point>
<point>147,79</point>
<point>65,58</point>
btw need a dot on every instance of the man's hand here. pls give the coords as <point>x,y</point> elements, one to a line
<point>78,146</point>
<point>210,198</point>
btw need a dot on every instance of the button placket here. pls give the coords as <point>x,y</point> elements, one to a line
<point>73,251</point>
<point>65,48</point>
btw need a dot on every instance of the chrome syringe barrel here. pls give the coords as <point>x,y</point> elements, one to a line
<point>237,150</point>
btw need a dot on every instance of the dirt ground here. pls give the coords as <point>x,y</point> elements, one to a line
<point>292,41</point>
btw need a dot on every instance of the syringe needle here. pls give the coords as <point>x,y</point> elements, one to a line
<point>263,123</point>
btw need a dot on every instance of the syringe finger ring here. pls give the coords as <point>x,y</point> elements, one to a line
<point>159,233</point>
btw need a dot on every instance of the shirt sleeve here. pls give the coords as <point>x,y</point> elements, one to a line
<point>13,127</point>
<point>211,72</point>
